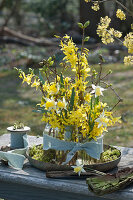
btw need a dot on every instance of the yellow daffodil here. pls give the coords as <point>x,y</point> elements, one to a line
<point>62,104</point>
<point>50,104</point>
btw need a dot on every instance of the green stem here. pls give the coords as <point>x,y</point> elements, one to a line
<point>82,48</point>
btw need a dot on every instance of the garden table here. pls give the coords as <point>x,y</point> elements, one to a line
<point>32,184</point>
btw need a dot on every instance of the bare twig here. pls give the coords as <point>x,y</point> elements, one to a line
<point>119,98</point>
<point>116,104</point>
<point>82,48</point>
<point>100,72</point>
<point>41,87</point>
<point>47,77</point>
<point>105,76</point>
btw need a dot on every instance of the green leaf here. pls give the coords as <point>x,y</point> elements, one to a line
<point>40,111</point>
<point>61,82</point>
<point>86,39</point>
<point>80,25</point>
<point>72,99</point>
<point>86,24</point>
<point>41,78</point>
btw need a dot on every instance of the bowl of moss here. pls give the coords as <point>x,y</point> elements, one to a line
<point>51,160</point>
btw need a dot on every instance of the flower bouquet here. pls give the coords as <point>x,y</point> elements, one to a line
<point>71,106</point>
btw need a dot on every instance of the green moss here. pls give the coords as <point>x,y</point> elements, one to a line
<point>52,156</point>
<point>110,155</point>
<point>37,153</point>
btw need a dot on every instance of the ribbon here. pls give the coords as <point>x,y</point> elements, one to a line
<point>92,148</point>
<point>16,157</point>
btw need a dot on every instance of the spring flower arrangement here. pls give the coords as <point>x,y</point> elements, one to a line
<point>72,101</point>
<point>73,105</point>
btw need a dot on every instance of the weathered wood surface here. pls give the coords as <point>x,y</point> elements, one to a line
<point>31,183</point>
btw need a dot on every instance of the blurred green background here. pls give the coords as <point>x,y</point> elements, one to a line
<point>41,19</point>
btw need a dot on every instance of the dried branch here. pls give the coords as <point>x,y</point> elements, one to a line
<point>119,98</point>
<point>105,76</point>
<point>41,86</point>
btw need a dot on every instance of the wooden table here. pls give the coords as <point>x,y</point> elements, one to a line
<point>32,184</point>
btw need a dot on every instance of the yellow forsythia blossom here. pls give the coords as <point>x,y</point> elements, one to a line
<point>120,14</point>
<point>35,84</point>
<point>88,97</point>
<point>27,78</point>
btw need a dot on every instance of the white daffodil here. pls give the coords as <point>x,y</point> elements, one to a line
<point>78,168</point>
<point>102,120</point>
<point>97,90</point>
<point>50,104</point>
<point>62,103</point>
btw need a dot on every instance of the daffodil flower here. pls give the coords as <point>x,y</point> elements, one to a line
<point>97,90</point>
<point>50,104</point>
<point>102,120</point>
<point>62,103</point>
<point>78,168</point>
